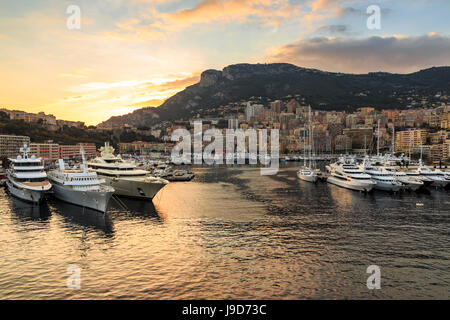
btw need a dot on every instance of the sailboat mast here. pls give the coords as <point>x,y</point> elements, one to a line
<point>409,144</point>
<point>421,151</point>
<point>310,136</point>
<point>378,139</point>
<point>365,146</point>
<point>393,139</point>
<point>304,148</point>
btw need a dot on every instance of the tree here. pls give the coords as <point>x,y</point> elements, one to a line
<point>4,115</point>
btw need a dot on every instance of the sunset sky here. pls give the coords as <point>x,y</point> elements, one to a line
<point>134,53</point>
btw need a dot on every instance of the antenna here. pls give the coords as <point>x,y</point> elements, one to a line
<point>378,139</point>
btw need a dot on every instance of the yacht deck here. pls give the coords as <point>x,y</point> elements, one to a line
<point>36,184</point>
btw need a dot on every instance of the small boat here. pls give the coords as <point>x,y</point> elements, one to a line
<point>179,175</point>
<point>307,174</point>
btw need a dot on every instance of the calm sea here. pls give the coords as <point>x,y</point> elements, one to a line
<point>231,234</point>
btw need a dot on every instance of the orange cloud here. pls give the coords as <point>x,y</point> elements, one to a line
<point>263,12</point>
<point>266,12</point>
<point>322,9</point>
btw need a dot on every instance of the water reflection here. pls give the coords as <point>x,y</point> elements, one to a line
<point>28,211</point>
<point>135,208</point>
<point>74,215</point>
<point>245,236</point>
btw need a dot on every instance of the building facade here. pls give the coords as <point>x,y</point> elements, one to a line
<point>46,151</point>
<point>405,141</point>
<point>71,152</point>
<point>10,145</point>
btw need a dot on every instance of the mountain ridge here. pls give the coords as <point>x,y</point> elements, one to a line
<point>323,89</point>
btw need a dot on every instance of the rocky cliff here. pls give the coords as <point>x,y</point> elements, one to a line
<point>324,90</point>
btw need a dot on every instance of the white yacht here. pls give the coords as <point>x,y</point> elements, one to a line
<point>80,186</point>
<point>385,181</point>
<point>26,178</point>
<point>124,177</point>
<point>345,173</point>
<point>307,174</point>
<point>417,175</point>
<point>409,182</point>
<point>438,178</point>
<point>444,174</point>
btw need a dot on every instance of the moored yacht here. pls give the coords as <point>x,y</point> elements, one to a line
<point>409,182</point>
<point>27,179</point>
<point>384,180</point>
<point>80,186</point>
<point>124,177</point>
<point>346,174</point>
<point>438,178</point>
<point>417,175</point>
<point>307,174</point>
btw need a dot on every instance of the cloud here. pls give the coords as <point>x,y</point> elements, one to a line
<point>322,9</point>
<point>401,54</point>
<point>334,29</point>
<point>350,11</point>
<point>241,11</point>
<point>158,25</point>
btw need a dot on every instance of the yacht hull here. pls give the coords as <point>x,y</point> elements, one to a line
<point>97,200</point>
<point>426,181</point>
<point>408,185</point>
<point>352,185</point>
<point>134,189</point>
<point>386,186</point>
<point>25,194</point>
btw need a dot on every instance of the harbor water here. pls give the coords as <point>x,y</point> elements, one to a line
<point>231,234</point>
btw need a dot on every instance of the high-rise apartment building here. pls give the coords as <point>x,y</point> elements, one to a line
<point>405,141</point>
<point>46,151</point>
<point>10,145</point>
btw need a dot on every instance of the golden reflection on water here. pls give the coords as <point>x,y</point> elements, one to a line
<point>230,233</point>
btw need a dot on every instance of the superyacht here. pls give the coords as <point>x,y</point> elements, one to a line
<point>80,186</point>
<point>385,181</point>
<point>409,182</point>
<point>346,174</point>
<point>438,177</point>
<point>26,178</point>
<point>124,177</point>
